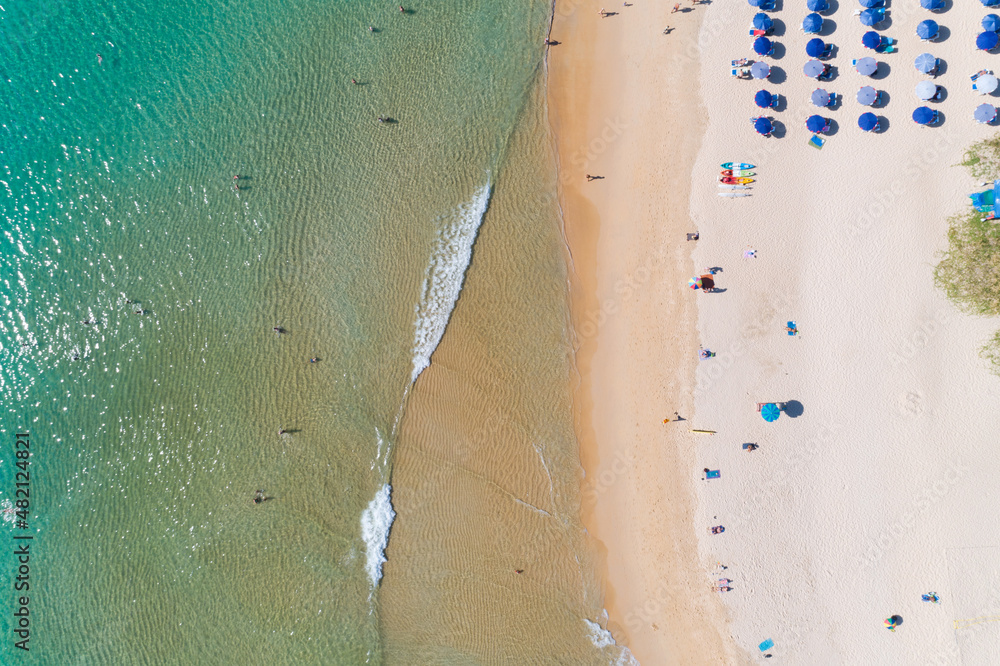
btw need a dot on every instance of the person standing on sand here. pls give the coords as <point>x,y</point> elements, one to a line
<point>676,8</point>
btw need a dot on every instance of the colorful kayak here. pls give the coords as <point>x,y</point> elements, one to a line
<point>730,180</point>
<point>738,165</point>
<point>738,173</point>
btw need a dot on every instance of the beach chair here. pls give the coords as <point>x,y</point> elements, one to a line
<point>712,473</point>
<point>888,45</point>
<point>979,73</point>
<point>833,100</point>
<point>794,330</point>
<point>827,52</point>
<point>757,33</point>
<point>742,72</point>
<point>878,99</point>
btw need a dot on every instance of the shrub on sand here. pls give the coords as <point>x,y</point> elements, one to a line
<point>982,159</point>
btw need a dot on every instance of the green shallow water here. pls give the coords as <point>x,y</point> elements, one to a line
<point>151,432</point>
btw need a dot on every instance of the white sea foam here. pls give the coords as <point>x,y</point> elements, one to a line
<point>602,638</point>
<point>375,523</point>
<point>445,275</point>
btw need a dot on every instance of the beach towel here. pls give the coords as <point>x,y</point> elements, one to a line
<point>766,645</point>
<point>712,474</point>
<point>795,329</point>
<point>816,142</point>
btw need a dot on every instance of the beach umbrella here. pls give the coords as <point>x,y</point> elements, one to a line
<point>695,283</point>
<point>890,622</point>
<point>813,69</point>
<point>762,21</point>
<point>870,4</point>
<point>926,90</point>
<point>932,5</point>
<point>762,125</point>
<point>812,23</point>
<point>928,29</point>
<point>986,84</point>
<point>760,70</point>
<point>817,5</point>
<point>985,113</point>
<point>762,46</point>
<point>770,412</point>
<point>871,40</point>
<point>820,97</point>
<point>815,47</point>
<point>987,41</point>
<point>866,66</point>
<point>991,22</point>
<point>923,115</point>
<point>867,96</point>
<point>868,121</point>
<point>925,63</point>
<point>763,99</point>
<point>816,124</point>
<point>870,17</point>
<point>990,3</point>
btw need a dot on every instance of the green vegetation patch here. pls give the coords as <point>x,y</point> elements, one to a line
<point>969,270</point>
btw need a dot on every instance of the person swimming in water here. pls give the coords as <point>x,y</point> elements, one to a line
<point>314,359</point>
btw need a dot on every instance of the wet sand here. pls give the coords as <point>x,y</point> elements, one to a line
<point>624,107</point>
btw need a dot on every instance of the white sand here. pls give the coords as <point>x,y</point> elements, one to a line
<point>849,512</point>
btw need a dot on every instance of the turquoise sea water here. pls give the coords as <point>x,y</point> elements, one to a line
<point>121,128</point>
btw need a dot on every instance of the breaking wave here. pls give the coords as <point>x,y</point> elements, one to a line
<point>445,276</point>
<point>376,521</point>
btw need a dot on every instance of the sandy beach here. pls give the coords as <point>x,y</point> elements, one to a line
<point>878,471</point>
<point>615,115</point>
<point>879,468</point>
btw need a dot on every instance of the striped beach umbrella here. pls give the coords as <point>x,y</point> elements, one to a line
<point>991,22</point>
<point>770,412</point>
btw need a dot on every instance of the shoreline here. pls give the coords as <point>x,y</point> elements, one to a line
<point>611,115</point>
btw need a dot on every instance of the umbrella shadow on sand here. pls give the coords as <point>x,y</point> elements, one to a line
<point>793,409</point>
<point>777,28</point>
<point>777,75</point>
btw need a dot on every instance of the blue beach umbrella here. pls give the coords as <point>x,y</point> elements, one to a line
<point>987,41</point>
<point>816,124</point>
<point>985,113</point>
<point>923,115</point>
<point>867,95</point>
<point>925,63</point>
<point>868,121</point>
<point>812,23</point>
<point>820,97</point>
<point>759,3</point>
<point>932,5</point>
<point>762,21</point>
<point>815,47</point>
<point>770,412</point>
<point>926,90</point>
<point>866,66</point>
<point>990,3</point>
<point>762,46</point>
<point>817,5</point>
<point>760,70</point>
<point>991,22</point>
<point>871,40</point>
<point>928,29</point>
<point>870,17</point>
<point>813,69</point>
<point>763,99</point>
<point>763,126</point>
<point>871,4</point>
